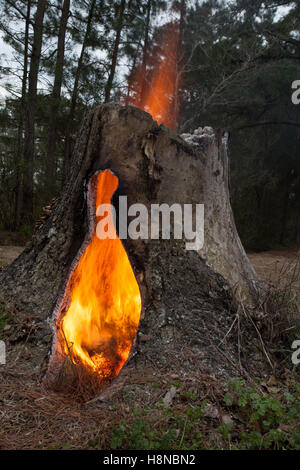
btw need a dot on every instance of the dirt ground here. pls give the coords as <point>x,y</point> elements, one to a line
<point>273,266</point>
<point>9,253</point>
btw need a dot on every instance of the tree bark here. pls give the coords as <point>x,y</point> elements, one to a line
<point>132,70</point>
<point>51,157</point>
<point>68,141</point>
<point>179,67</point>
<point>119,27</point>
<point>27,206</point>
<point>145,53</point>
<point>19,152</point>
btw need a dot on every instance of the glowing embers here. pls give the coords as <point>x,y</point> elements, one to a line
<point>101,321</point>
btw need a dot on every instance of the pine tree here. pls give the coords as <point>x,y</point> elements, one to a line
<point>27,206</point>
<point>51,156</point>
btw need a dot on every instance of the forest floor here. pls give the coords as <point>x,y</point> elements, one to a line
<point>11,245</point>
<point>9,253</point>
<point>152,410</point>
<point>270,266</point>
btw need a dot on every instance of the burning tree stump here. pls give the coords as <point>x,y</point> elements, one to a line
<point>188,298</point>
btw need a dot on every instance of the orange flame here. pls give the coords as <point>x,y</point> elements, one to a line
<point>102,319</point>
<point>158,93</point>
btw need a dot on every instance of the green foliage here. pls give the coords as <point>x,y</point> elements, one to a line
<point>176,431</point>
<point>272,415</point>
<point>264,417</point>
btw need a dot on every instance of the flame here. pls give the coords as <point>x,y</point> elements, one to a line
<point>102,319</point>
<point>160,98</point>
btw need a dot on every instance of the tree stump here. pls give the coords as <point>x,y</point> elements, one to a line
<point>189,298</point>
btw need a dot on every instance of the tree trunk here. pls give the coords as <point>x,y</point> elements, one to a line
<point>68,141</point>
<point>188,297</point>
<point>145,54</point>
<point>115,53</point>
<point>179,65</point>
<point>27,206</point>
<point>55,102</point>
<point>19,152</point>
<point>132,70</point>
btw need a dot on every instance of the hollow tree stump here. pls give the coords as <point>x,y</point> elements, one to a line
<point>188,297</point>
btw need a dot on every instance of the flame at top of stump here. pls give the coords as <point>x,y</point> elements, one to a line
<point>156,90</point>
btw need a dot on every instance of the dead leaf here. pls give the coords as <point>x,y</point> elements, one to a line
<point>272,381</point>
<point>287,427</point>
<point>274,389</point>
<point>167,401</point>
<point>226,419</point>
<point>211,411</point>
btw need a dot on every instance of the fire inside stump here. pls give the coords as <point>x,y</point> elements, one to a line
<point>98,318</point>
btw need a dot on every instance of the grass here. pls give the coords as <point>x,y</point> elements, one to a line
<point>275,320</point>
